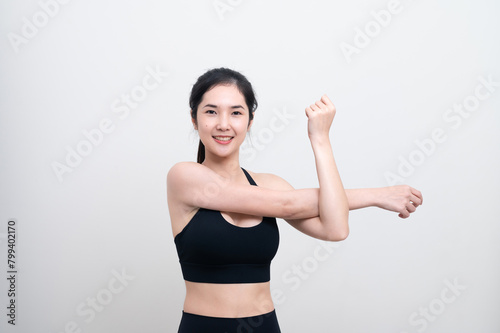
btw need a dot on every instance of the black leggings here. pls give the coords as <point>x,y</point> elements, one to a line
<point>264,323</point>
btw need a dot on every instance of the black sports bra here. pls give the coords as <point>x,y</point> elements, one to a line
<point>212,250</point>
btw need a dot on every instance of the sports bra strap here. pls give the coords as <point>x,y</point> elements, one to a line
<point>252,182</point>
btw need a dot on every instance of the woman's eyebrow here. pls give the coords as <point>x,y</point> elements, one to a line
<point>210,106</point>
<point>215,106</point>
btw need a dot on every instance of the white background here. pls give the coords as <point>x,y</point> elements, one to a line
<point>109,214</point>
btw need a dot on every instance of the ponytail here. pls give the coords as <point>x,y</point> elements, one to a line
<point>201,152</point>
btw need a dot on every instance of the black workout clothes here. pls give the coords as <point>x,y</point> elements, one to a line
<point>212,250</point>
<point>264,323</point>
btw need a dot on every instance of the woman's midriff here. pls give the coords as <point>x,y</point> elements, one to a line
<point>228,300</point>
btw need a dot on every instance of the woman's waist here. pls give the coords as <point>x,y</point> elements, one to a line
<point>232,300</point>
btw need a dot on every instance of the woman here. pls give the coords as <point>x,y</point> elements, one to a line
<point>225,230</point>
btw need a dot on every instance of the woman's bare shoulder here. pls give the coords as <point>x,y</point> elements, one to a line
<point>181,167</point>
<point>270,181</point>
<point>182,171</point>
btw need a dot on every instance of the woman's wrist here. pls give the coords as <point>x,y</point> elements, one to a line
<point>320,140</point>
<point>373,197</point>
<point>363,197</point>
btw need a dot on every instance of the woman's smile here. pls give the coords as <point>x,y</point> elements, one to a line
<point>223,139</point>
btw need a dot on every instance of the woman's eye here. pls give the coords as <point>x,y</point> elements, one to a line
<point>210,111</point>
<point>237,112</point>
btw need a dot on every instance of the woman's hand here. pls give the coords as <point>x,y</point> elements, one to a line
<point>320,117</point>
<point>402,199</point>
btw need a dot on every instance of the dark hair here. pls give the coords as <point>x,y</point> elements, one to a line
<point>215,77</point>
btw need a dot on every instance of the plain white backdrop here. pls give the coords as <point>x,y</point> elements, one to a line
<point>94,111</point>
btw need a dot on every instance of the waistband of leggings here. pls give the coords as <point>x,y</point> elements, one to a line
<point>250,317</point>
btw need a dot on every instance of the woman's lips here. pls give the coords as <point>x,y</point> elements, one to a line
<point>223,140</point>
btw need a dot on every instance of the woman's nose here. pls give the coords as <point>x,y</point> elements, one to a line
<point>223,123</point>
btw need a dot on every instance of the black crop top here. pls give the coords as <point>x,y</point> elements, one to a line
<point>212,250</point>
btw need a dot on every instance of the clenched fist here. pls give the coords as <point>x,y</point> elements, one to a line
<point>320,117</point>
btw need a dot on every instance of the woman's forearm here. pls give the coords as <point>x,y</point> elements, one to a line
<point>402,199</point>
<point>361,198</point>
<point>332,202</point>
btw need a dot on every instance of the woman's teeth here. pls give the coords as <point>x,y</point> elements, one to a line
<point>223,138</point>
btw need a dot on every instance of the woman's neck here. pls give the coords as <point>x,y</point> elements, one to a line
<point>226,167</point>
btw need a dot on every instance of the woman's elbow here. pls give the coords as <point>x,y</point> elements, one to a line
<point>338,236</point>
<point>339,233</point>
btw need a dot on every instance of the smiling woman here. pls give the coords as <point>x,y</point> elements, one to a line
<point>224,217</point>
<point>203,91</point>
<point>223,123</point>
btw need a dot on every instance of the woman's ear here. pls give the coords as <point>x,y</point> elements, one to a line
<point>193,120</point>
<point>250,122</point>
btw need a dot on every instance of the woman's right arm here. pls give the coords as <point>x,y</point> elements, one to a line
<point>402,199</point>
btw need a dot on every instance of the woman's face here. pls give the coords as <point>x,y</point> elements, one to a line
<point>222,120</point>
